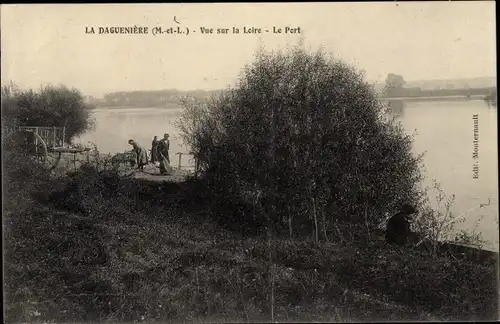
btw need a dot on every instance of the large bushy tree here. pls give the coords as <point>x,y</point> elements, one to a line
<point>49,106</point>
<point>394,85</point>
<point>309,134</point>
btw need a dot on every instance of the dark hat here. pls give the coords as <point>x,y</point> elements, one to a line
<point>408,209</point>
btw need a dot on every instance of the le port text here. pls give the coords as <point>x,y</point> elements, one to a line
<point>251,30</point>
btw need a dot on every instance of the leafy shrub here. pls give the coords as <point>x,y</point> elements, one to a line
<point>22,177</point>
<point>438,224</point>
<point>470,238</point>
<point>50,106</point>
<point>306,135</point>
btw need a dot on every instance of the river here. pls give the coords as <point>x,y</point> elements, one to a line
<point>444,131</point>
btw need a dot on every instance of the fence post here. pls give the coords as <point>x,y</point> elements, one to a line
<point>179,165</point>
<point>63,135</point>
<point>195,167</point>
<point>54,138</point>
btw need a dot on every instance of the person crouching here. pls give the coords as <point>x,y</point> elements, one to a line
<point>141,154</point>
<point>398,228</point>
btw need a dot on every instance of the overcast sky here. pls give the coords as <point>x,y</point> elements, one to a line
<point>429,40</point>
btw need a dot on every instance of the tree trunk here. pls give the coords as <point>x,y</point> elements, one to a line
<point>324,224</point>
<point>289,222</point>
<point>315,220</point>
<point>271,266</point>
<point>366,220</point>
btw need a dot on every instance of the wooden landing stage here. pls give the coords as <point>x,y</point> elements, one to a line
<point>151,173</point>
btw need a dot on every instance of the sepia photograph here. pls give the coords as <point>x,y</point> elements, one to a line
<point>249,162</point>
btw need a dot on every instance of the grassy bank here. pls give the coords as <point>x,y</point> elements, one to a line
<point>98,247</point>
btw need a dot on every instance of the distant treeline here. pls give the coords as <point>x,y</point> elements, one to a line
<point>168,98</point>
<point>159,98</point>
<point>418,92</point>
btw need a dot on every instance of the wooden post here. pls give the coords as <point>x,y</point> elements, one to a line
<point>36,140</point>
<point>180,156</point>
<point>63,135</point>
<point>54,138</point>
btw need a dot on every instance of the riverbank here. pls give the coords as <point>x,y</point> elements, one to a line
<point>97,247</point>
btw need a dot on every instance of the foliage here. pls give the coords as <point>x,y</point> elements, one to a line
<point>393,85</point>
<point>394,81</point>
<point>133,252</point>
<point>50,106</point>
<point>21,176</point>
<point>162,98</point>
<point>438,224</point>
<point>470,238</point>
<point>306,134</point>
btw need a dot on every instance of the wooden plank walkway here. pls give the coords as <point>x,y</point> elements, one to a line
<point>152,173</point>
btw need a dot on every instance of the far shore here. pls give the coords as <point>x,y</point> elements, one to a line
<point>409,99</point>
<point>170,106</point>
<point>442,98</point>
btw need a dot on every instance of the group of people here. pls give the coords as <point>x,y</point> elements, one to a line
<point>159,153</point>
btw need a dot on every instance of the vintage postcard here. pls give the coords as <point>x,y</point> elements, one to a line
<point>250,162</point>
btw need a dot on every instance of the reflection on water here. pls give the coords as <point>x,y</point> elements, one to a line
<point>114,127</point>
<point>444,130</point>
<point>397,107</point>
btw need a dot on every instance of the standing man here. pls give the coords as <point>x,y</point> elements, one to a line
<point>154,150</point>
<point>163,148</point>
<point>166,146</point>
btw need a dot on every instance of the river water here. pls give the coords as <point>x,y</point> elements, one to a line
<point>444,131</point>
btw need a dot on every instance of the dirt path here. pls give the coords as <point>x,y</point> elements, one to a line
<point>152,173</point>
